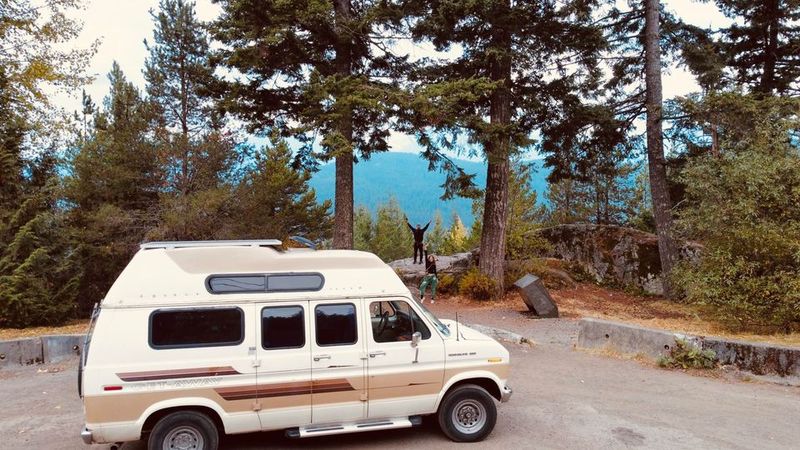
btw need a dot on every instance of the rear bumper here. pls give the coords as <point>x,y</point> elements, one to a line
<point>86,435</point>
<point>505,394</point>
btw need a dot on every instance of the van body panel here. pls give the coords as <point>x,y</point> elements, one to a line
<point>338,371</point>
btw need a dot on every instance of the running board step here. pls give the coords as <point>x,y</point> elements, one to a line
<point>373,425</point>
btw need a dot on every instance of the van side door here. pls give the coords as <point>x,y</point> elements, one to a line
<point>284,364</point>
<point>403,379</point>
<point>338,385</point>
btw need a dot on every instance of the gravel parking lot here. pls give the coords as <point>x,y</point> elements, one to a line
<point>563,399</point>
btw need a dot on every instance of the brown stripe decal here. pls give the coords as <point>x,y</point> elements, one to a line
<point>178,373</point>
<point>284,389</point>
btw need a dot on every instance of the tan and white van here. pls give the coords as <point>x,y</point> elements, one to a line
<point>195,339</point>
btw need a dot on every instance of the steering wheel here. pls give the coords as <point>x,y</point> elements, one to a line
<point>384,321</point>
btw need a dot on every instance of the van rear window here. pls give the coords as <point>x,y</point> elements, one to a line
<point>197,327</point>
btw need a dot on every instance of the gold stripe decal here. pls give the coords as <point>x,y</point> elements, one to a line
<point>178,373</point>
<point>284,389</point>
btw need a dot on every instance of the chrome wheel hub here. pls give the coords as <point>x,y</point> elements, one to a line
<point>184,438</point>
<point>469,416</point>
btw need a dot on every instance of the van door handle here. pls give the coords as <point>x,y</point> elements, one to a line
<point>319,357</point>
<point>378,353</point>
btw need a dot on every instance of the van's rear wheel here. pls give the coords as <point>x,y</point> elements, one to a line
<point>184,430</point>
<point>467,414</point>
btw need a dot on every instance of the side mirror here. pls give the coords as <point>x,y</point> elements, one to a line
<point>415,338</point>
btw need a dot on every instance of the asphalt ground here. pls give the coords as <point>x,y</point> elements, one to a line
<point>563,399</point>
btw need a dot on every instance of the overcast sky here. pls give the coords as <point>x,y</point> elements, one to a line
<point>122,26</point>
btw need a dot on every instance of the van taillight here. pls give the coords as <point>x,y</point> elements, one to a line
<point>112,388</point>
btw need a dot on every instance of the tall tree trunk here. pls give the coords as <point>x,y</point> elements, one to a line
<point>662,207</point>
<point>714,139</point>
<point>771,51</point>
<point>343,198</point>
<point>495,211</point>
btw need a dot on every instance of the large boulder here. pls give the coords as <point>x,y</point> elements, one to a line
<point>412,273</point>
<point>614,255</point>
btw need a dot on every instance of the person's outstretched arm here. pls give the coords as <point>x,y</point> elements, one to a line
<point>426,226</point>
<point>409,226</point>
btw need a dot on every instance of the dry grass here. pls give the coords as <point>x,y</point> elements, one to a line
<point>72,327</point>
<point>588,300</point>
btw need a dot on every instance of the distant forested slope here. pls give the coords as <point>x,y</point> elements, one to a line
<point>405,176</point>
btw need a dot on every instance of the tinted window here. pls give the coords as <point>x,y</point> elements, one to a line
<point>336,324</point>
<point>227,284</point>
<point>245,283</point>
<point>294,282</point>
<point>395,321</point>
<point>196,327</point>
<point>282,327</point>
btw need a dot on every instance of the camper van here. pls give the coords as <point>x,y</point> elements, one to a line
<point>199,339</point>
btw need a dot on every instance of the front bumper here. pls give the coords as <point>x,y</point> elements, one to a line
<point>505,394</point>
<point>86,435</point>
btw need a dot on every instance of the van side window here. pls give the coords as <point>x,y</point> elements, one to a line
<point>336,324</point>
<point>282,327</point>
<point>197,327</point>
<point>394,321</point>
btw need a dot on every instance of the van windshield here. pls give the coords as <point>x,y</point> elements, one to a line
<point>439,325</point>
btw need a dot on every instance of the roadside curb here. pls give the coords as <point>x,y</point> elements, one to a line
<point>758,358</point>
<point>503,335</point>
<point>40,350</point>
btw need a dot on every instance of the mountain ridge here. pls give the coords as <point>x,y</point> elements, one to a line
<point>405,177</point>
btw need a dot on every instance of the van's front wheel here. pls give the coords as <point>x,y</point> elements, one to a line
<point>184,430</point>
<point>467,414</point>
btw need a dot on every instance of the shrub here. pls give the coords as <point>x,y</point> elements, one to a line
<point>447,284</point>
<point>687,356</point>
<point>745,209</point>
<point>476,285</point>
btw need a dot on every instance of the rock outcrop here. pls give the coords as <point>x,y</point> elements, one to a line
<point>613,255</point>
<point>413,273</point>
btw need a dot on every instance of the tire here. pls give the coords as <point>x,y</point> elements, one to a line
<point>467,414</point>
<point>184,430</point>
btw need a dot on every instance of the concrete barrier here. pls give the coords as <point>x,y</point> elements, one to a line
<point>61,347</point>
<point>21,352</point>
<point>758,358</point>
<point>45,349</point>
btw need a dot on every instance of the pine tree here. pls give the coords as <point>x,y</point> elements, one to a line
<point>112,188</point>
<point>457,238</point>
<point>362,229</point>
<point>179,75</point>
<point>569,201</point>
<point>435,237</point>
<point>506,47</point>
<point>37,282</point>
<point>391,239</point>
<point>198,156</point>
<point>12,134</point>
<point>275,200</point>
<point>662,207</point>
<point>525,215</point>
<point>314,68</point>
<point>763,43</point>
